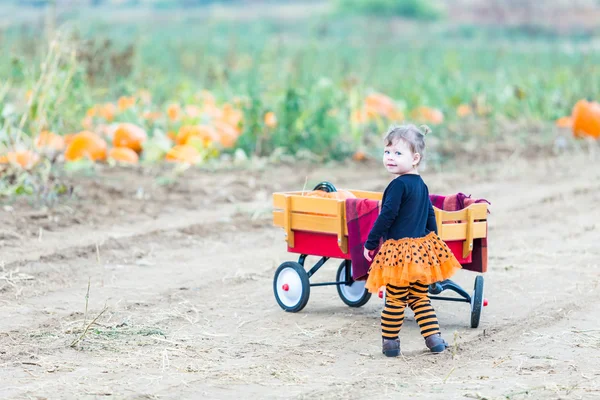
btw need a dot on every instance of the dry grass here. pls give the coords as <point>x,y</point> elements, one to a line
<point>47,93</point>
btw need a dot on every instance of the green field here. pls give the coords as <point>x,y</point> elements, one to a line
<point>311,68</point>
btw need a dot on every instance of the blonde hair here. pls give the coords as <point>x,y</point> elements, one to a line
<point>412,135</point>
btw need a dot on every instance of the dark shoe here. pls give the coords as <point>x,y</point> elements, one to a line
<point>435,343</point>
<point>391,347</point>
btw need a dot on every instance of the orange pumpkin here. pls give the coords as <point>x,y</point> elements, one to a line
<point>208,134</point>
<point>129,135</point>
<point>125,102</point>
<point>228,135</point>
<point>564,122</point>
<point>586,119</point>
<point>107,111</point>
<point>359,156</point>
<point>174,112</point>
<point>86,144</point>
<point>24,158</point>
<point>233,116</point>
<point>341,194</point>
<point>124,155</point>
<point>184,154</point>
<point>377,104</point>
<point>152,116</point>
<point>428,114</point>
<point>49,140</point>
<point>464,110</point>
<point>270,119</point>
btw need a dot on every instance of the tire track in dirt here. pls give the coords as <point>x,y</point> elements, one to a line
<point>60,272</point>
<point>78,238</point>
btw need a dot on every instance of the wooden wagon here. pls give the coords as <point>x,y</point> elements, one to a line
<point>316,226</point>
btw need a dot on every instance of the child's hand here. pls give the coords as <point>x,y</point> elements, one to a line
<point>367,254</point>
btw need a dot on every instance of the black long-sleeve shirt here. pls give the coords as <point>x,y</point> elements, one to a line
<point>406,211</point>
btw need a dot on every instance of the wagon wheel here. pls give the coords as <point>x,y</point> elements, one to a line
<point>477,302</point>
<point>355,294</point>
<point>291,286</point>
<point>326,187</point>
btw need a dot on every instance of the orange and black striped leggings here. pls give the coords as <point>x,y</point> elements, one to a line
<point>417,297</point>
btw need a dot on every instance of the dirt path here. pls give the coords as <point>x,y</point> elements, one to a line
<point>190,311</point>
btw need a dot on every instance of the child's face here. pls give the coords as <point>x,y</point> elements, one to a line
<point>399,159</point>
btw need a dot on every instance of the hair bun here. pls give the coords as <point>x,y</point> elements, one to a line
<point>425,130</point>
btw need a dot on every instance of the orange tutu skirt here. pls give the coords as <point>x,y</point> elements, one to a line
<point>402,262</point>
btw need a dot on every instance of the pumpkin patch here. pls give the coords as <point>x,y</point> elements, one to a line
<point>196,132</point>
<point>586,119</point>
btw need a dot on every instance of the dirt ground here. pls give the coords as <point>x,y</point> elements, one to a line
<point>181,299</point>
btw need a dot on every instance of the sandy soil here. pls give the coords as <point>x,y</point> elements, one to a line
<point>180,292</point>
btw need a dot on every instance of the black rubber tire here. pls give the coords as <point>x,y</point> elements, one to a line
<point>477,302</point>
<point>326,187</point>
<point>340,276</point>
<point>299,269</point>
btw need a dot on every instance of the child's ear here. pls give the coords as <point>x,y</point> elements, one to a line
<point>416,158</point>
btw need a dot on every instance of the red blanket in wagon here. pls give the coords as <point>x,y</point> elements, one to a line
<point>456,202</point>
<point>361,214</point>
